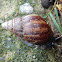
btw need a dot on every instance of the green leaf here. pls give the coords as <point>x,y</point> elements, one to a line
<point>57,15</point>
<point>56,24</point>
<point>48,13</point>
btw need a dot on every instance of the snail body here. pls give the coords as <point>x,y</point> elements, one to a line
<point>32,28</point>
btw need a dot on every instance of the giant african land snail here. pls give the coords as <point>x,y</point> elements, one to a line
<point>32,28</point>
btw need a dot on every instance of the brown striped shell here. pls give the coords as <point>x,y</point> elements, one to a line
<point>32,28</point>
<point>36,29</point>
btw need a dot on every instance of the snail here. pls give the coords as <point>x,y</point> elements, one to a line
<point>32,28</point>
<point>47,3</point>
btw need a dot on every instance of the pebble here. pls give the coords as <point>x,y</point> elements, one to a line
<point>26,8</point>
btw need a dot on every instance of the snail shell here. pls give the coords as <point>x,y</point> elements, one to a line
<point>32,28</point>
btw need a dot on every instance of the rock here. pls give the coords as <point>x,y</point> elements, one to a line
<point>26,8</point>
